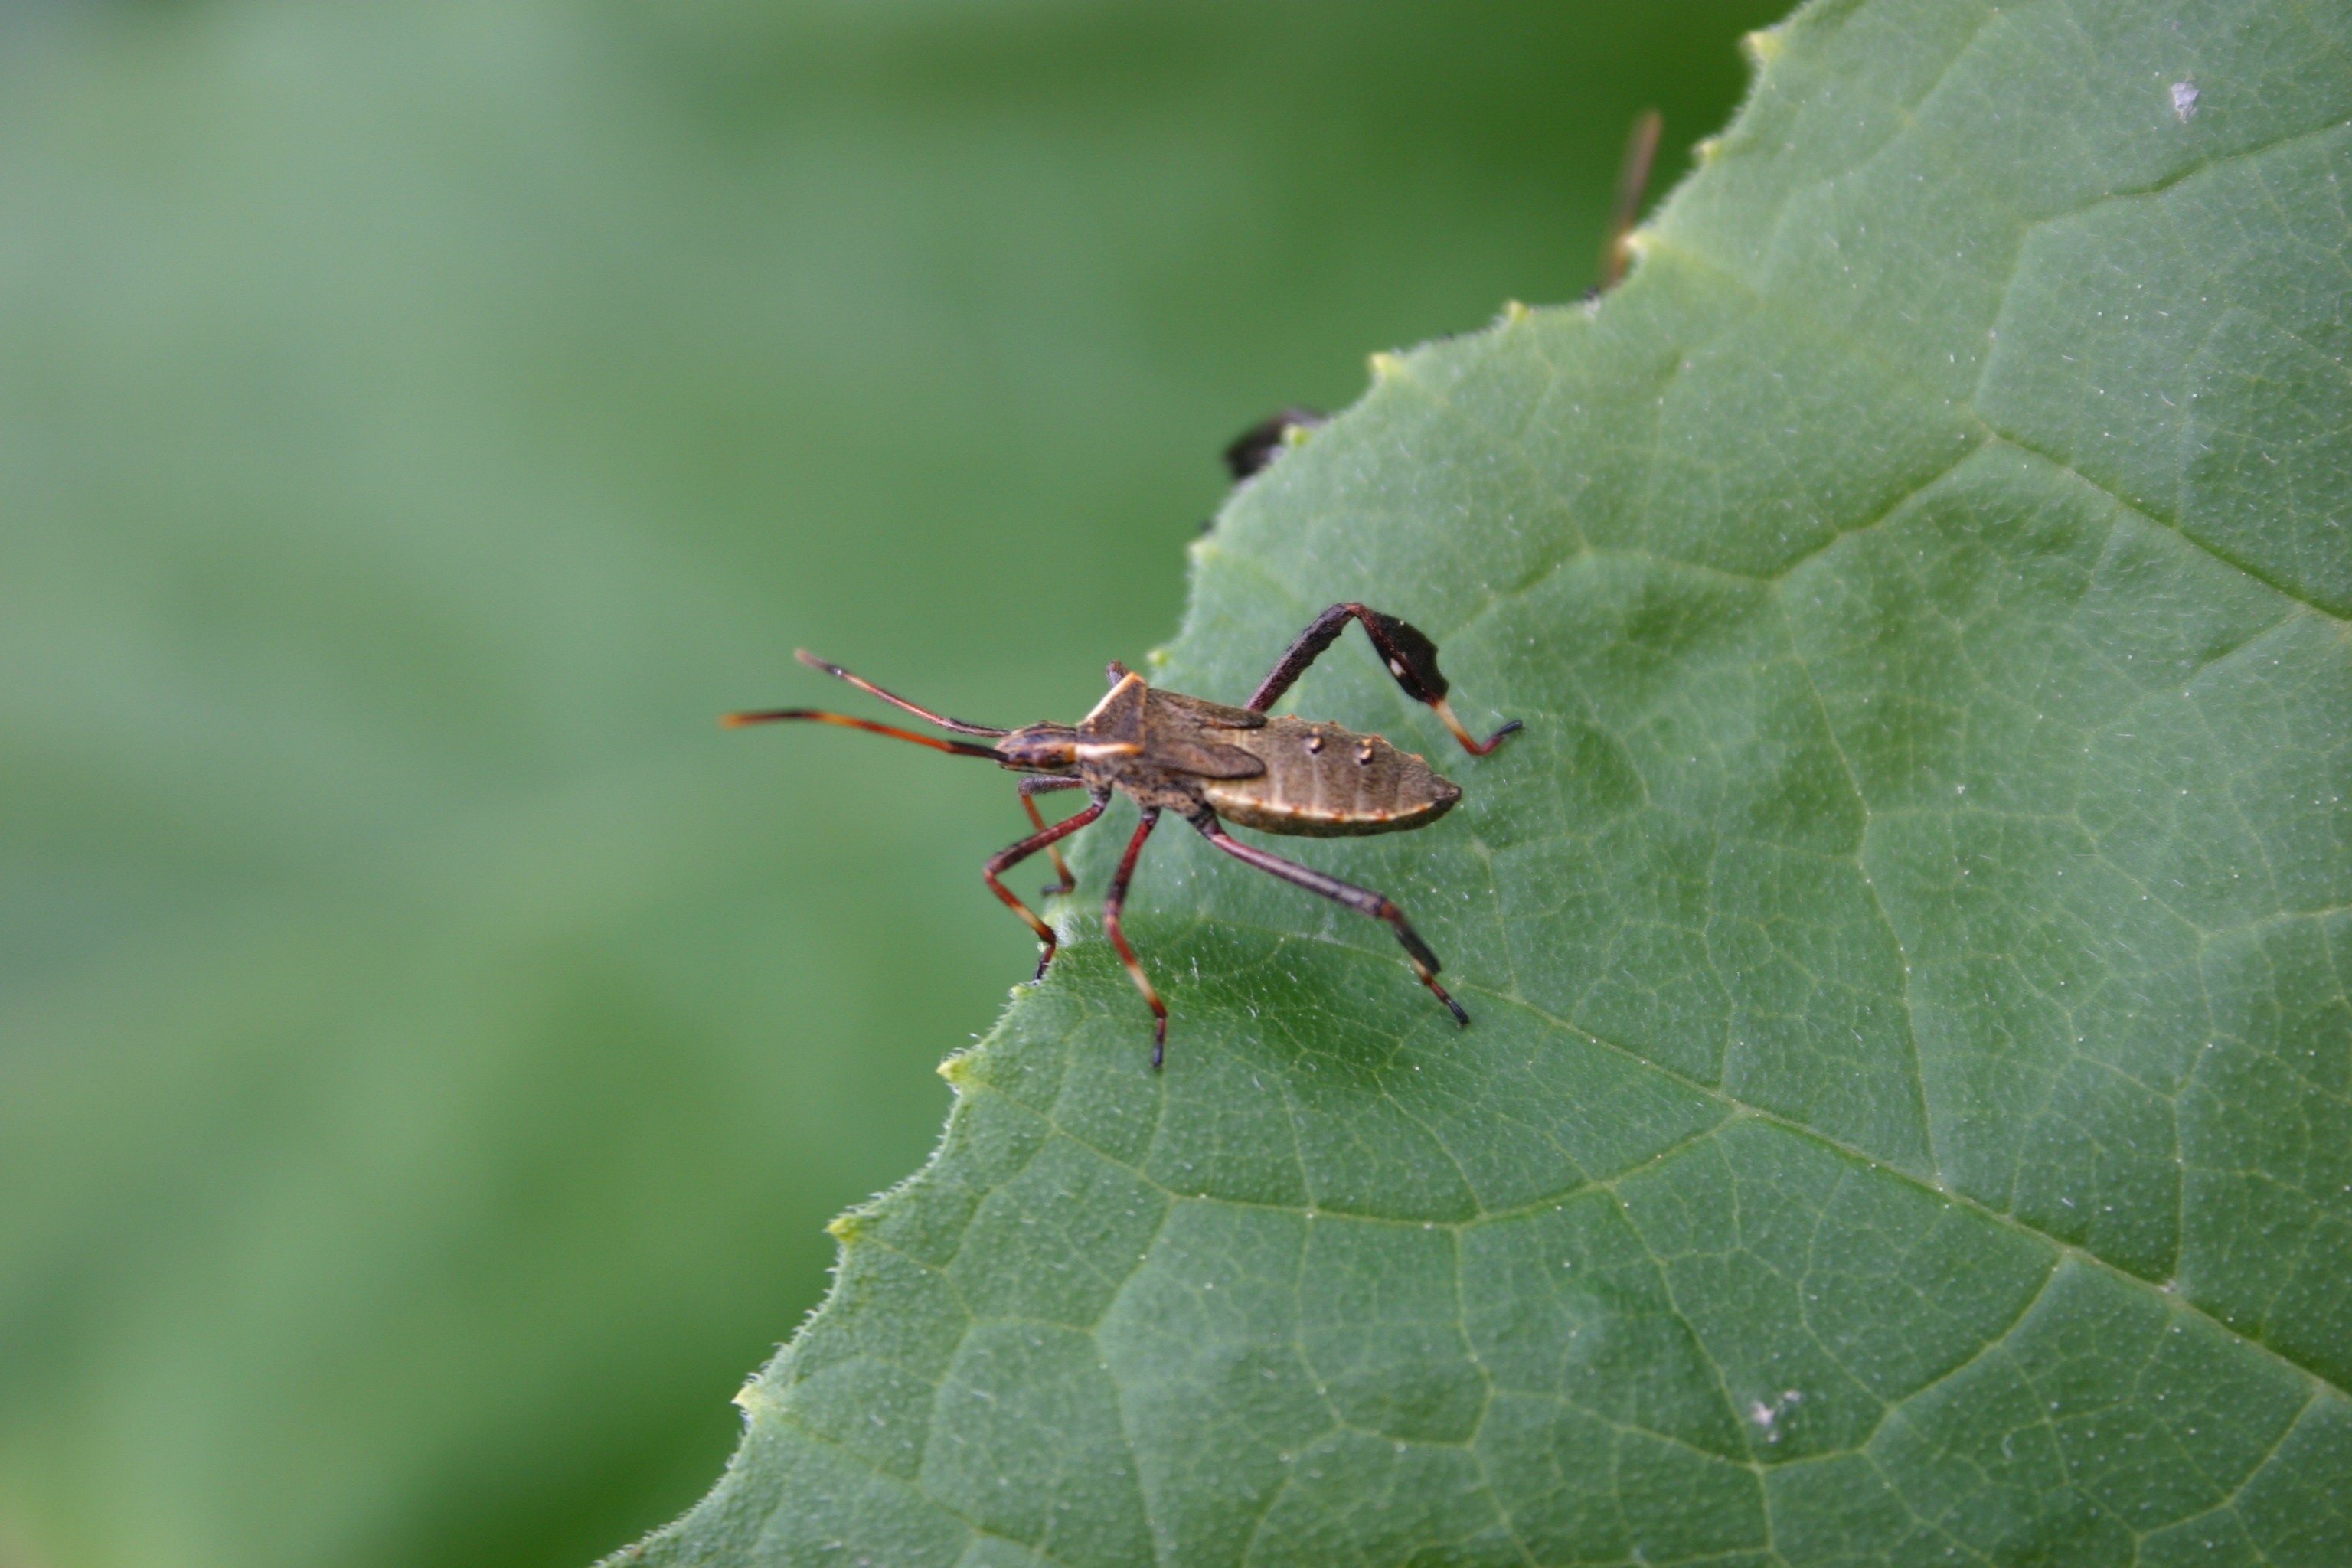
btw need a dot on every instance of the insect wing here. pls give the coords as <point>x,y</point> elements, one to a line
<point>1174,710</point>
<point>1203,759</point>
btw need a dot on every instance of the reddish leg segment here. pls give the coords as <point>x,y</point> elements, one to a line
<point>1029,787</point>
<point>1013,854</point>
<point>1424,962</point>
<point>776,715</point>
<point>1111,907</point>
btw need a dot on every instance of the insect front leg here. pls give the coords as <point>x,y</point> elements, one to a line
<point>1111,907</point>
<point>1410,657</point>
<point>1378,906</point>
<point>1035,786</point>
<point>1014,854</point>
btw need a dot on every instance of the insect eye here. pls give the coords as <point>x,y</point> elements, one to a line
<point>1041,746</point>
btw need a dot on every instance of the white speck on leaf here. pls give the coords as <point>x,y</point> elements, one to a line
<point>2184,101</point>
<point>1765,1415</point>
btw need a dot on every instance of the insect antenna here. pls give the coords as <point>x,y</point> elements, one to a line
<point>859,681</point>
<point>773,715</point>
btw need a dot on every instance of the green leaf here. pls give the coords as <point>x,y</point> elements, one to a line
<point>1906,1115</point>
<point>430,1048</point>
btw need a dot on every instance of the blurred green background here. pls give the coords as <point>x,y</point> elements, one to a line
<point>429,1048</point>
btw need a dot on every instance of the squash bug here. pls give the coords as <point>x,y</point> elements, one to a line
<point>1212,765</point>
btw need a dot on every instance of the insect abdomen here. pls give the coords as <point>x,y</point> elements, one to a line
<point>1325,782</point>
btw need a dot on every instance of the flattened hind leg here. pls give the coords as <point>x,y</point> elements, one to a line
<point>1363,899</point>
<point>1405,649</point>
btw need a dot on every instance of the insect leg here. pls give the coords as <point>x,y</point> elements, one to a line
<point>1035,786</point>
<point>1014,854</point>
<point>1255,449</point>
<point>1111,907</point>
<point>1632,177</point>
<point>1410,657</point>
<point>1320,634</point>
<point>1424,962</point>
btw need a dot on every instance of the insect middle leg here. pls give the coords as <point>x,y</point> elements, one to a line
<point>1378,906</point>
<point>1111,907</point>
<point>1014,854</point>
<point>1036,787</point>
